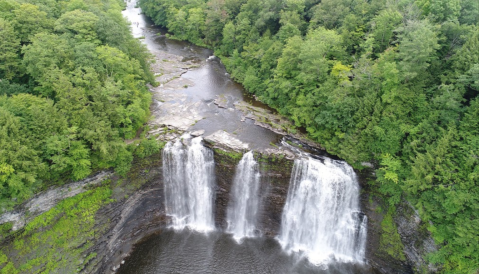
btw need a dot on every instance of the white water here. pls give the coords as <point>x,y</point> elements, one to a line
<point>244,202</point>
<point>321,218</point>
<point>188,172</point>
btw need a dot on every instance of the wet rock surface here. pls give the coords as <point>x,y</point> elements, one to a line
<point>274,184</point>
<point>224,174</point>
<point>275,178</point>
<point>140,216</point>
<point>269,119</point>
<point>374,206</point>
<point>416,238</point>
<point>137,213</point>
<point>381,261</point>
<point>224,140</point>
<point>171,109</point>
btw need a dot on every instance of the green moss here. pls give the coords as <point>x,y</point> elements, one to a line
<point>231,154</point>
<point>6,267</point>
<point>274,163</point>
<point>56,240</point>
<point>5,230</point>
<point>294,144</point>
<point>9,268</point>
<point>273,144</point>
<point>390,241</point>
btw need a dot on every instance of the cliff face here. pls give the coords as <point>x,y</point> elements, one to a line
<point>46,200</point>
<point>275,175</point>
<point>384,249</point>
<point>396,242</point>
<point>137,213</point>
<point>416,238</point>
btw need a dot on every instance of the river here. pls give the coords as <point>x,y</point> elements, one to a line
<point>190,82</point>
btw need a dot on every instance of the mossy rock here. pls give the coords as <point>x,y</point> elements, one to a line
<point>390,240</point>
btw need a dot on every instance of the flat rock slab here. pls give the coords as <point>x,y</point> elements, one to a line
<point>221,101</point>
<point>197,133</point>
<point>224,139</point>
<point>164,96</point>
<point>178,115</point>
<point>279,152</point>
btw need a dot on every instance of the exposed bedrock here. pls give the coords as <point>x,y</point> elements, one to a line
<point>274,182</point>
<point>137,213</point>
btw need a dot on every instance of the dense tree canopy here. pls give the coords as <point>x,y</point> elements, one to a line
<point>395,83</point>
<point>72,88</point>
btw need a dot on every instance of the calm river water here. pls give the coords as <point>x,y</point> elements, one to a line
<point>193,252</point>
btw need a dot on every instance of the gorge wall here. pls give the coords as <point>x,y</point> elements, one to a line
<point>137,211</point>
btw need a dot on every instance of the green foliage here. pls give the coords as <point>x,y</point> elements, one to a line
<point>9,51</point>
<point>79,24</point>
<point>30,20</point>
<point>467,56</point>
<point>123,162</point>
<point>148,147</point>
<point>416,53</point>
<point>383,28</point>
<point>72,88</point>
<point>7,88</point>
<point>390,82</point>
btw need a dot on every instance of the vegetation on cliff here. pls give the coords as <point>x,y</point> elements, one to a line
<point>55,241</point>
<point>391,82</point>
<point>72,88</point>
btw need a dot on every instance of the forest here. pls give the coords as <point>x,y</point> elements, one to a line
<point>72,89</point>
<point>394,83</point>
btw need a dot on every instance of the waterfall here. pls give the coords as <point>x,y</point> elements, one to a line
<point>321,218</point>
<point>188,172</point>
<point>244,202</point>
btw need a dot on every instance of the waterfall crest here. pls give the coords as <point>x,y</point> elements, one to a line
<point>244,203</point>
<point>188,172</point>
<point>321,218</point>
